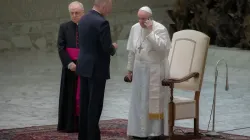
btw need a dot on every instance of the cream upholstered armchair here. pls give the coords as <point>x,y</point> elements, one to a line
<point>187,59</point>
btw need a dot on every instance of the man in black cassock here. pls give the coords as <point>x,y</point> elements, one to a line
<point>93,67</point>
<point>68,48</point>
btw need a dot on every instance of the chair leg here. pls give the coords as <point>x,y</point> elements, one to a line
<point>197,114</point>
<point>171,120</point>
<point>196,126</point>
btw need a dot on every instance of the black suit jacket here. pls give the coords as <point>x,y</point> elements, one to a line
<point>95,46</point>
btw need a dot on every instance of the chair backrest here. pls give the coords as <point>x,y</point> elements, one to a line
<point>188,54</point>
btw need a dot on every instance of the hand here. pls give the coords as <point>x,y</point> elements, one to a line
<point>115,45</point>
<point>72,66</point>
<point>129,75</point>
<point>149,24</point>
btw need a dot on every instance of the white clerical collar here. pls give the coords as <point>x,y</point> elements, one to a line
<point>145,30</point>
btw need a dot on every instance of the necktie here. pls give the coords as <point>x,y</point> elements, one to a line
<point>77,41</point>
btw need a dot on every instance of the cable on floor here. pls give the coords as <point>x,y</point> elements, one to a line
<point>242,128</point>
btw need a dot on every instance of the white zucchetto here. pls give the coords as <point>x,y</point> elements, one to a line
<point>146,9</point>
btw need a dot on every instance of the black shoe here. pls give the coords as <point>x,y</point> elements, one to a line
<point>139,138</point>
<point>154,138</point>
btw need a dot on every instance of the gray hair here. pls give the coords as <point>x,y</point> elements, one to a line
<point>76,3</point>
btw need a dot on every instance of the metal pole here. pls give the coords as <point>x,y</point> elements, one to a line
<point>214,101</point>
<point>213,133</point>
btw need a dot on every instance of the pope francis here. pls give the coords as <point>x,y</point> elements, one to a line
<point>148,47</point>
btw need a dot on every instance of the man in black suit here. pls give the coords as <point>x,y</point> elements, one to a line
<point>93,67</point>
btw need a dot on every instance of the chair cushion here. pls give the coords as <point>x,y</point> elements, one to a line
<point>184,108</point>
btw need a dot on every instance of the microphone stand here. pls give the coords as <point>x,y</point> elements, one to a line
<point>213,133</point>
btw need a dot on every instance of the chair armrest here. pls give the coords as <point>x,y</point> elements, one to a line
<point>167,82</point>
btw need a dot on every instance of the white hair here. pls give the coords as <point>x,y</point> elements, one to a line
<point>76,3</point>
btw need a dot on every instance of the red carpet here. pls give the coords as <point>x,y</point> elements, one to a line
<point>110,129</point>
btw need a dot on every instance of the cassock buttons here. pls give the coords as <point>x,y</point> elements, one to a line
<point>77,41</point>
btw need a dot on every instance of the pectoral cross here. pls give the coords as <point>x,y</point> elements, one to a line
<point>140,48</point>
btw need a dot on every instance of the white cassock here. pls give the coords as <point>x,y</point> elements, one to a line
<point>148,52</point>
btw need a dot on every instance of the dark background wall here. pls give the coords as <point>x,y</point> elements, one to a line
<point>33,24</point>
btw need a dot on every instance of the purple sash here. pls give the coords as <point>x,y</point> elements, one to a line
<point>73,53</point>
